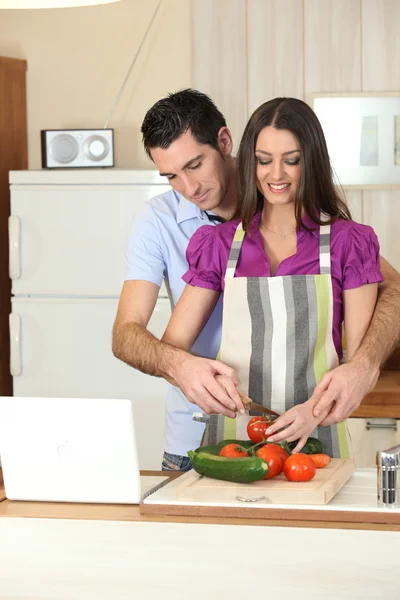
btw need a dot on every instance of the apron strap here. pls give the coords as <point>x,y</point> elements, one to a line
<point>235,251</point>
<point>325,249</point>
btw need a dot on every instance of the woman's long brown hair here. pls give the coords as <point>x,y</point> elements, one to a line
<point>317,192</point>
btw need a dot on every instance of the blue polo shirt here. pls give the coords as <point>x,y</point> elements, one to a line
<point>157,251</point>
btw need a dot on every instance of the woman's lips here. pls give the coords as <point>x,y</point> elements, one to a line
<point>278,188</point>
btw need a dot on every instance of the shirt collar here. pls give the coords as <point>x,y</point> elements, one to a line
<point>314,228</point>
<point>188,210</point>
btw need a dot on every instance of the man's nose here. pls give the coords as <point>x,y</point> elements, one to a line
<point>192,187</point>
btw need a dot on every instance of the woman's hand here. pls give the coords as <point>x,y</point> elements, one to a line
<point>297,423</point>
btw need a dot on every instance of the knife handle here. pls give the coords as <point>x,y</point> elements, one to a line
<point>200,417</point>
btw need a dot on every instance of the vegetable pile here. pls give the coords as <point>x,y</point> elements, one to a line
<point>245,461</point>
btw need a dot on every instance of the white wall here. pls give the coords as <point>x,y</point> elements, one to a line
<point>78,58</point>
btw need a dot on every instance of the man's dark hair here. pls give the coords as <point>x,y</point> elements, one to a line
<point>172,116</point>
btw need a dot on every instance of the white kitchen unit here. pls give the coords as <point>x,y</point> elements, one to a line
<point>65,559</point>
<point>68,234</point>
<point>370,435</point>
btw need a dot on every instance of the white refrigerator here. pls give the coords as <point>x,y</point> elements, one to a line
<point>67,233</point>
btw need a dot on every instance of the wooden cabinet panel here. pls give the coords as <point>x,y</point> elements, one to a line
<point>220,58</point>
<point>368,437</point>
<point>381,210</point>
<point>380,45</point>
<point>13,155</point>
<point>332,45</point>
<point>248,51</point>
<point>354,202</point>
<point>275,50</point>
<point>381,71</point>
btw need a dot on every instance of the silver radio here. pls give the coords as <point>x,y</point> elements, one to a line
<point>75,148</point>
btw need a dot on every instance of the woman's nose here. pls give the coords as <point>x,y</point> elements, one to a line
<point>276,170</point>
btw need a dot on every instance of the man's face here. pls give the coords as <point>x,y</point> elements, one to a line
<point>197,171</point>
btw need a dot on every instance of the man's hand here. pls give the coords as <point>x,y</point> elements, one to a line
<point>297,423</point>
<point>210,384</point>
<point>341,390</point>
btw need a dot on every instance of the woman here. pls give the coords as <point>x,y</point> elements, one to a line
<point>293,268</point>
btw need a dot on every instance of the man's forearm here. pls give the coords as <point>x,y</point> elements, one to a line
<point>136,346</point>
<point>383,334</point>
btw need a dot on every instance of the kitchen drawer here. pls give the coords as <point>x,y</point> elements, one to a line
<point>370,435</point>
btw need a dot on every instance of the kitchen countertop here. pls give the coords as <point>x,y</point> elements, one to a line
<point>355,505</point>
<point>286,516</point>
<point>110,560</point>
<point>103,552</point>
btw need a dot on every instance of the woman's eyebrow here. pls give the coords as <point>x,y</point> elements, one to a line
<point>284,154</point>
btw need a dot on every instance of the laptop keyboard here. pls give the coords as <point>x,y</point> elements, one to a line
<point>151,483</point>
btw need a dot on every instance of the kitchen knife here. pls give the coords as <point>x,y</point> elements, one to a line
<point>249,405</point>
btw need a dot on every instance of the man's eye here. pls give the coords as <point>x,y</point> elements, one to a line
<point>170,177</point>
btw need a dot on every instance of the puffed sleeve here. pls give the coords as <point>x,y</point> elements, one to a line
<point>360,259</point>
<point>204,260</point>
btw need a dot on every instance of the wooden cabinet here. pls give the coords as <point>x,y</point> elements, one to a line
<point>375,425</point>
<point>13,156</point>
<point>370,435</point>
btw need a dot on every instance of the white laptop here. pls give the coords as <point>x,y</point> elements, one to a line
<point>71,450</point>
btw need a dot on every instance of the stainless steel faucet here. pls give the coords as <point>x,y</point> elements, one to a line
<point>388,463</point>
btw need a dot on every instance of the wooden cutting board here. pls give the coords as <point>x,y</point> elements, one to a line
<point>325,485</point>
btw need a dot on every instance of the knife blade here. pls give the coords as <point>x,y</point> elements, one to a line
<point>250,405</point>
<point>259,408</point>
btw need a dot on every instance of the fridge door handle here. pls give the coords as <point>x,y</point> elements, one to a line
<point>14,237</point>
<point>15,344</point>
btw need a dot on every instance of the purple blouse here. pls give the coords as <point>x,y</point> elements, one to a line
<point>354,259</point>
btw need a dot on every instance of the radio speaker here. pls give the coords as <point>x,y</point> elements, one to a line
<point>77,148</point>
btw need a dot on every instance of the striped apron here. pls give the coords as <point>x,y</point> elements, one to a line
<point>277,335</point>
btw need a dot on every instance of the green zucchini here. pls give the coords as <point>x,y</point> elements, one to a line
<point>238,470</point>
<point>315,445</point>
<point>209,449</point>
<point>217,449</point>
<point>243,443</point>
<point>312,446</point>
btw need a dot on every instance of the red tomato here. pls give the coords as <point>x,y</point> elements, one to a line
<point>256,428</point>
<point>233,451</point>
<point>299,467</point>
<point>272,456</point>
<point>283,454</point>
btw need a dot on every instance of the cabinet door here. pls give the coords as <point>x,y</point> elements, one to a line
<point>62,348</point>
<point>71,240</point>
<point>370,435</point>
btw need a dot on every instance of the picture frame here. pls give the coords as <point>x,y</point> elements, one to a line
<point>362,131</point>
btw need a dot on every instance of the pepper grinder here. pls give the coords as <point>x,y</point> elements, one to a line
<point>388,463</point>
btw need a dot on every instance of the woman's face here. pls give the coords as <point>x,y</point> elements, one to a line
<point>278,160</point>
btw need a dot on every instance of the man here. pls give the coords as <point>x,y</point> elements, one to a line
<point>186,137</point>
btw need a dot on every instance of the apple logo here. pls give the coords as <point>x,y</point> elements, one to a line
<point>66,451</point>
